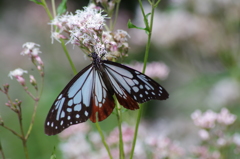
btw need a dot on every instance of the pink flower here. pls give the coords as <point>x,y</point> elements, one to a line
<point>18,74</point>
<point>154,69</point>
<point>31,49</point>
<point>226,118</point>
<point>205,120</point>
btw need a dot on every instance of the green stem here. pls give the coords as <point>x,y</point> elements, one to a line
<point>9,129</point>
<point>103,140</point>
<point>53,8</point>
<point>144,68</point>
<point>32,120</point>
<point>68,56</point>
<point>47,9</point>
<point>112,25</point>
<point>1,151</point>
<point>121,144</point>
<point>24,140</point>
<point>35,108</point>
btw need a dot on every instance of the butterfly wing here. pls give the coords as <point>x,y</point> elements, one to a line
<point>73,104</point>
<point>85,96</point>
<point>128,82</point>
<point>102,98</point>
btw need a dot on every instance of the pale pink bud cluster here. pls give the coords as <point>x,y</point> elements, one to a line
<point>204,120</point>
<point>18,74</point>
<point>116,43</point>
<point>154,69</point>
<point>92,147</point>
<point>202,152</point>
<point>85,29</point>
<point>32,50</point>
<point>163,147</point>
<point>213,127</point>
<point>209,118</point>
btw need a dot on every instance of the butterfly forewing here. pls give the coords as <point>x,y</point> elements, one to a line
<point>73,104</point>
<point>139,86</point>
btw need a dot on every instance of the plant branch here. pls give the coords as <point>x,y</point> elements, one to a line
<point>149,28</point>
<point>103,140</point>
<point>121,144</point>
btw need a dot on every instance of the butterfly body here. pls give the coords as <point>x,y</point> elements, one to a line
<point>89,95</point>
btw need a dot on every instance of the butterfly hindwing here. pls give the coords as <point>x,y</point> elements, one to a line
<point>102,98</point>
<point>73,104</point>
<point>139,86</point>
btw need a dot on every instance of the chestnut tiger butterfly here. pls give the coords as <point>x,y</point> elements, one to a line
<point>91,91</point>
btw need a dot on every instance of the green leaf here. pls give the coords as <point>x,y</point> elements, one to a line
<point>37,2</point>
<point>131,25</point>
<point>62,7</point>
<point>53,156</point>
<point>148,15</point>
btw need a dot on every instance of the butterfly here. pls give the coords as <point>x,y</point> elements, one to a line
<point>89,95</point>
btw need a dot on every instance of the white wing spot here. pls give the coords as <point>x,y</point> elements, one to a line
<point>70,102</point>
<point>153,93</point>
<point>148,88</point>
<point>69,110</point>
<point>146,92</point>
<point>48,123</point>
<point>160,88</point>
<point>69,117</point>
<point>62,114</point>
<point>52,124</point>
<point>137,72</point>
<point>77,116</point>
<point>86,113</point>
<point>140,95</point>
<point>61,122</point>
<point>141,86</point>
<point>136,81</point>
<point>60,96</point>
<point>78,107</point>
<point>135,89</point>
<point>134,97</point>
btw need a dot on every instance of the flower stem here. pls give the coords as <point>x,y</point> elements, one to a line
<point>112,25</point>
<point>1,151</point>
<point>24,140</point>
<point>103,140</point>
<point>119,116</point>
<point>47,9</point>
<point>68,56</point>
<point>144,66</point>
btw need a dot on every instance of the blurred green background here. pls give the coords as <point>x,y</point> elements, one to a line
<point>198,40</point>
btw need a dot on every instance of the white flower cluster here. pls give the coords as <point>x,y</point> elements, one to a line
<point>85,29</point>
<point>31,50</point>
